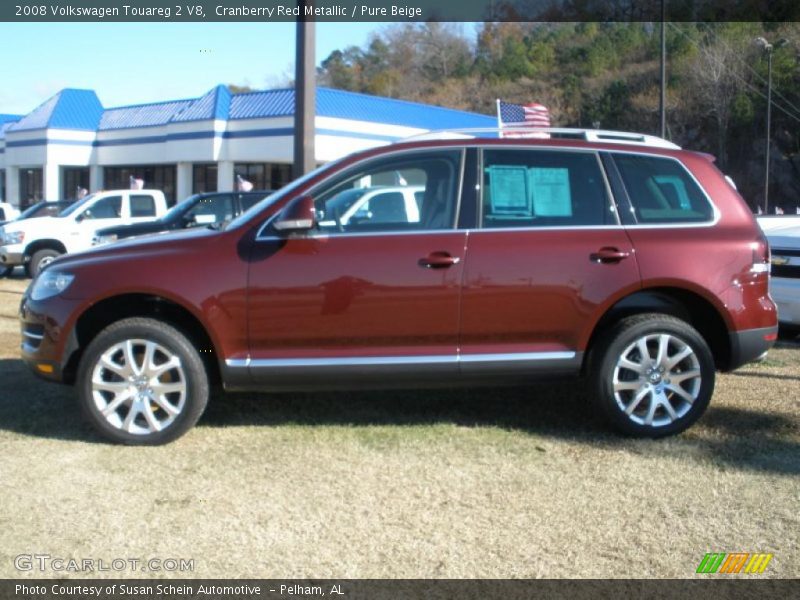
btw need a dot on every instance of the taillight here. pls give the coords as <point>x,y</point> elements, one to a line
<point>761,255</point>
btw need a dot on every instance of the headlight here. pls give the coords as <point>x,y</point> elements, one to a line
<point>13,237</point>
<point>104,239</point>
<point>50,283</point>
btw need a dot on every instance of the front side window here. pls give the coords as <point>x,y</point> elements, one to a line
<point>105,208</point>
<point>409,193</point>
<point>543,188</point>
<point>661,191</point>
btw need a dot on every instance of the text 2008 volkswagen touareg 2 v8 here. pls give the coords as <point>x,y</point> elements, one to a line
<point>617,257</point>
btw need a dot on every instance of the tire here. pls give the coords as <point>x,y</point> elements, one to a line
<point>143,412</point>
<point>648,397</point>
<point>40,259</point>
<point>5,271</point>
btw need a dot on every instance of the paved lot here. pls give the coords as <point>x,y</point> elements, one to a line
<point>477,483</point>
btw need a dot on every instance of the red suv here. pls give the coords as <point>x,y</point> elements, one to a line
<point>617,257</point>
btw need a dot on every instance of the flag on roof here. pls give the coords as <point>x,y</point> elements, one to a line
<point>532,115</point>
<point>242,185</point>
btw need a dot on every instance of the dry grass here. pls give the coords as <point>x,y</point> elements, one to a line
<point>478,483</point>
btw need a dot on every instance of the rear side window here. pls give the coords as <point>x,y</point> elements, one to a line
<point>143,206</point>
<point>543,188</point>
<point>662,191</point>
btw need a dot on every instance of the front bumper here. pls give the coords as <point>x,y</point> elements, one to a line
<point>749,345</point>
<point>48,337</point>
<point>12,256</point>
<point>786,294</point>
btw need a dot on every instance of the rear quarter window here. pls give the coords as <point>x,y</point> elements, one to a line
<point>662,191</point>
<point>142,206</point>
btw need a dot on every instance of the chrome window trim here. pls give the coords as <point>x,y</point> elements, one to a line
<point>365,161</point>
<point>240,363</point>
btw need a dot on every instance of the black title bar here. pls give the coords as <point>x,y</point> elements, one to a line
<point>399,10</point>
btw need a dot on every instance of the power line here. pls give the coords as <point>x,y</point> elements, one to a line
<point>736,75</point>
<point>719,39</point>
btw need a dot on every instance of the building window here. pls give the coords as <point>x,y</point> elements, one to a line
<point>156,177</point>
<point>204,178</point>
<point>73,180</point>
<point>3,185</point>
<point>31,187</point>
<point>264,176</point>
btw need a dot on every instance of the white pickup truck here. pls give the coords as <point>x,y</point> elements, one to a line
<point>37,242</point>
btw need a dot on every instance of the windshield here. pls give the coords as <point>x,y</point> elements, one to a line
<point>280,194</point>
<point>181,207</point>
<point>75,207</point>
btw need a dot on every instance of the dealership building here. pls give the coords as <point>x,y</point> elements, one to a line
<point>72,141</point>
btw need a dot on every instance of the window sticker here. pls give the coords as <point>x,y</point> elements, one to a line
<point>678,189</point>
<point>509,191</point>
<point>551,192</point>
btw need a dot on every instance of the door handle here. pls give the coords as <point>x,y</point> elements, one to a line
<point>438,260</point>
<point>608,255</point>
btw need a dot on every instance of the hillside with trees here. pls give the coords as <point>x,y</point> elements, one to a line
<point>606,75</point>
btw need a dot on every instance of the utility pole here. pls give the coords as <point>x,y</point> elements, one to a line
<point>305,92</point>
<point>662,109</point>
<point>768,49</point>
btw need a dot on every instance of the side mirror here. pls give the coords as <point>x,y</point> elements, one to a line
<point>299,215</point>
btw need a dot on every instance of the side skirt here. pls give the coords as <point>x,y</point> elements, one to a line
<point>397,372</point>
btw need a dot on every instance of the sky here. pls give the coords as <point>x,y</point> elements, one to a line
<point>133,63</point>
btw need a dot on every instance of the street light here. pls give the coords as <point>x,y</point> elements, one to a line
<point>768,49</point>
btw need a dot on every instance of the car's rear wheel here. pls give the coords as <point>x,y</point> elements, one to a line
<point>652,375</point>
<point>5,271</point>
<point>142,382</point>
<point>40,259</point>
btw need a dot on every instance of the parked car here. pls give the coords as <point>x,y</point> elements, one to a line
<point>770,222</point>
<point>36,242</point>
<point>8,212</point>
<point>209,208</point>
<point>785,280</point>
<point>40,209</point>
<point>613,256</point>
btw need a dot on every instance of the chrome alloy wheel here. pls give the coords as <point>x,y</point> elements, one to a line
<point>139,386</point>
<point>657,379</point>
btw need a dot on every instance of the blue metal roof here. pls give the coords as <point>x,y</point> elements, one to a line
<point>9,118</point>
<point>142,115</point>
<point>357,107</point>
<point>68,109</point>
<point>214,105</point>
<point>81,109</point>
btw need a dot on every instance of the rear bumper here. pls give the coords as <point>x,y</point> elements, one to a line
<point>749,345</point>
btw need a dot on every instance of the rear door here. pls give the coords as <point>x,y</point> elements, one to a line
<point>548,257</point>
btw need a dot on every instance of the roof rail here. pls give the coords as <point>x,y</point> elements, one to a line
<point>589,135</point>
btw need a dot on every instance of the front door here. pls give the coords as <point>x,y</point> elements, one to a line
<point>365,298</point>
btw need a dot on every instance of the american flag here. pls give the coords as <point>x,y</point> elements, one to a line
<point>530,115</point>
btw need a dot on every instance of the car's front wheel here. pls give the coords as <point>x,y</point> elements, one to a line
<point>652,375</point>
<point>40,260</point>
<point>142,382</point>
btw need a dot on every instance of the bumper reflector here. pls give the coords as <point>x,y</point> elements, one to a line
<point>770,337</point>
<point>45,368</point>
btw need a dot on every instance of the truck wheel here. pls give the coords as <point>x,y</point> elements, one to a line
<point>651,375</point>
<point>40,259</point>
<point>142,382</point>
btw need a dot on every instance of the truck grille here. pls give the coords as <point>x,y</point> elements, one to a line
<point>786,263</point>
